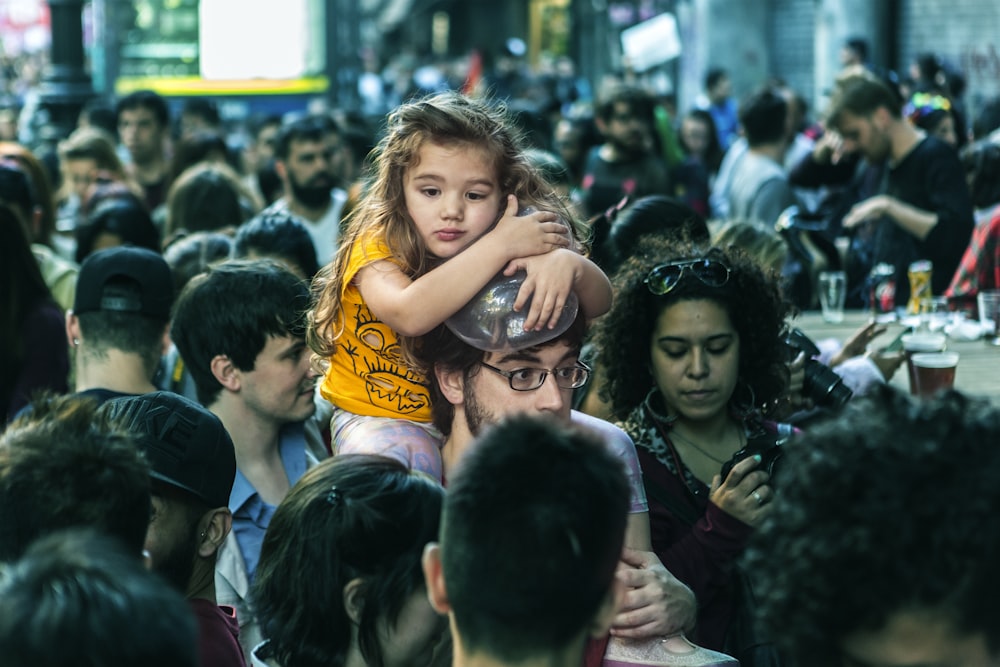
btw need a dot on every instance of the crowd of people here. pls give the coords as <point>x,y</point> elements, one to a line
<point>280,395</point>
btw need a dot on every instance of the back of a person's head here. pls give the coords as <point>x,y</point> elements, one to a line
<point>40,184</point>
<point>981,160</point>
<point>353,518</point>
<point>763,116</point>
<point>280,236</point>
<point>917,534</point>
<point>205,198</point>
<point>987,120</point>
<point>122,219</point>
<point>198,147</point>
<point>765,247</point>
<point>77,598</point>
<point>64,465</point>
<point>658,215</point>
<point>859,45</point>
<point>16,190</point>
<point>204,108</point>
<point>123,299</point>
<point>233,309</point>
<point>192,254</point>
<point>531,534</point>
<point>98,113</point>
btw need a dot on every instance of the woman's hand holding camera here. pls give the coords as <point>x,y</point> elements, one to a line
<point>745,493</point>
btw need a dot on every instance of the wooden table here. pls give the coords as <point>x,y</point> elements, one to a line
<point>978,371</point>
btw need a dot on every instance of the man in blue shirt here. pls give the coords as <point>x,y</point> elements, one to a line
<point>240,329</point>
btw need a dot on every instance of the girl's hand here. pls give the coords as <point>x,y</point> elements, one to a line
<point>528,235</point>
<point>744,494</point>
<point>550,279</point>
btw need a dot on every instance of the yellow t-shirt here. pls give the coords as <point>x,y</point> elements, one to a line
<point>367,375</point>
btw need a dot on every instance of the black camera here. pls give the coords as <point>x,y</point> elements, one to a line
<point>768,445</point>
<point>821,384</point>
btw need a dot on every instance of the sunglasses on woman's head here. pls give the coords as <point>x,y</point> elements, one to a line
<point>665,277</point>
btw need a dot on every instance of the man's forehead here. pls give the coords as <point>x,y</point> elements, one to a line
<point>559,351</point>
<point>307,145</point>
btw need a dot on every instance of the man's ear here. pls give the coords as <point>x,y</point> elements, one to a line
<point>354,599</point>
<point>225,372</point>
<point>605,616</point>
<point>280,169</point>
<point>72,328</point>
<point>214,526</point>
<point>167,343</point>
<point>882,118</point>
<point>452,384</point>
<point>434,578</point>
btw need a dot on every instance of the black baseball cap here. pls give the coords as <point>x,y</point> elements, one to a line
<point>147,270</point>
<point>186,445</point>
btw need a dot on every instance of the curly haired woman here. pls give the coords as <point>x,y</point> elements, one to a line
<point>691,348</point>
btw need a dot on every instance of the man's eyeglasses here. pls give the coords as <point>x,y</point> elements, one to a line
<point>529,379</point>
<point>665,277</point>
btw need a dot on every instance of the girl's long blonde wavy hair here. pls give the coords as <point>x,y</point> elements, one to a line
<point>447,119</point>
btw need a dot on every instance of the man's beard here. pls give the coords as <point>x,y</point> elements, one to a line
<point>477,415</point>
<point>316,194</point>
<point>178,565</point>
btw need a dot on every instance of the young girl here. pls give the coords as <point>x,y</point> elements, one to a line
<point>450,178</point>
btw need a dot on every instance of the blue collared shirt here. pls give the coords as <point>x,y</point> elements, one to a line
<point>251,515</point>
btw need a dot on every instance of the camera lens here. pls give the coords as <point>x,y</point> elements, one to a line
<point>824,386</point>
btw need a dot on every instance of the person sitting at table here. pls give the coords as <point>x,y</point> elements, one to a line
<point>692,349</point>
<point>980,266</point>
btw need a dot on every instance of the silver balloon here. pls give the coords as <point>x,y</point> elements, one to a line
<point>489,322</point>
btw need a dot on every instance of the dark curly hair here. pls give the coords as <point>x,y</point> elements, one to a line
<point>751,298</point>
<point>889,507</point>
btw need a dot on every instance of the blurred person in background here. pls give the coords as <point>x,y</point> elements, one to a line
<point>34,355</point>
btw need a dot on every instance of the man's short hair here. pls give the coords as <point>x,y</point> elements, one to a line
<point>232,309</point>
<point>714,77</point>
<point>307,128</point>
<point>63,465</point>
<point>532,531</point>
<point>859,45</point>
<point>861,93</point>
<point>77,598</point>
<point>763,115</point>
<point>890,507</point>
<point>145,99</point>
<point>442,348</point>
